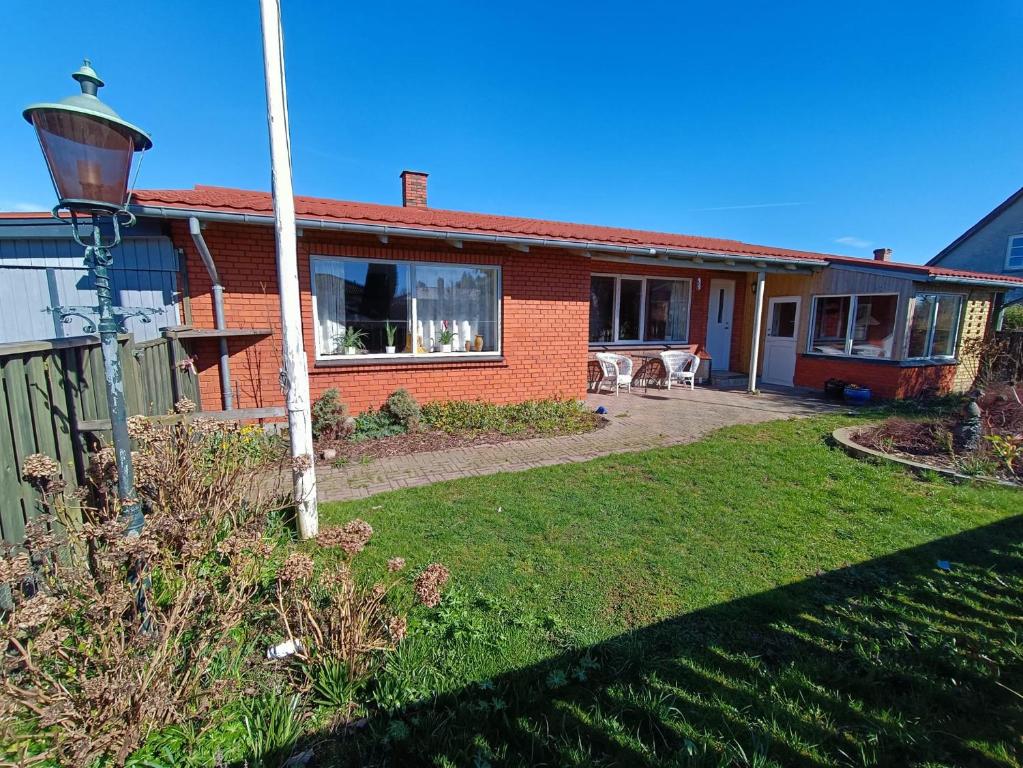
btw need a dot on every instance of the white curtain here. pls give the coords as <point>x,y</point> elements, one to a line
<point>462,297</point>
<point>330,304</point>
<point>678,316</point>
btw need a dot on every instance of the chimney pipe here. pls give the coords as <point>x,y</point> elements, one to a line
<point>413,189</point>
<point>882,254</point>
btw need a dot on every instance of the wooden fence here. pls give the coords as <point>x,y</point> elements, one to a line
<point>50,388</point>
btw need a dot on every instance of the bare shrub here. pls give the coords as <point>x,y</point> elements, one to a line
<point>924,438</point>
<point>111,635</point>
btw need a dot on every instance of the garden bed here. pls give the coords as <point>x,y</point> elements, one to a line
<point>402,427</point>
<point>985,444</point>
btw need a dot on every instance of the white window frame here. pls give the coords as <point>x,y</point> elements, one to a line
<point>930,325</point>
<point>618,277</point>
<point>850,324</point>
<point>413,311</point>
<point>1008,254</point>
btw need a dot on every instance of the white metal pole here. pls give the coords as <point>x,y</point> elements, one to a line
<point>758,316</point>
<point>296,369</point>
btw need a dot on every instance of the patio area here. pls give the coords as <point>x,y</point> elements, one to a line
<point>645,419</point>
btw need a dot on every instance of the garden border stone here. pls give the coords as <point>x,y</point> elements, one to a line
<point>843,436</point>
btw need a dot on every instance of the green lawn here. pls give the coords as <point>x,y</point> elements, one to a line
<point>757,598</point>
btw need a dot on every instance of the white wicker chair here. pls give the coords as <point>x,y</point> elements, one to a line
<point>616,369</point>
<point>680,367</point>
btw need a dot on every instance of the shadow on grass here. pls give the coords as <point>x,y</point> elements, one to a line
<point>890,662</point>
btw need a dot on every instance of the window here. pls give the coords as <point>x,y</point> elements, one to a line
<point>1014,255</point>
<point>859,326</point>
<point>934,325</point>
<point>368,296</point>
<point>627,309</point>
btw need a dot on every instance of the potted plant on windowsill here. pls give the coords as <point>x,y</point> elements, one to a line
<point>390,331</point>
<point>447,335</point>
<point>351,341</point>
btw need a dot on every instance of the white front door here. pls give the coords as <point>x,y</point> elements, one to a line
<point>719,324</point>
<point>780,341</point>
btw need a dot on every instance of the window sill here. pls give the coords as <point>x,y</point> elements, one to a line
<point>914,363</point>
<point>437,358</point>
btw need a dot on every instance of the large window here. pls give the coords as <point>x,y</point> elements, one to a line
<point>934,325</point>
<point>627,309</point>
<point>859,326</point>
<point>420,304</point>
<point>1014,255</point>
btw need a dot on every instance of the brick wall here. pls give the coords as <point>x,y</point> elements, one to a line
<point>885,380</point>
<point>544,322</point>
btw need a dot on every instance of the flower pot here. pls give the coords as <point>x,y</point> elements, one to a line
<point>390,350</point>
<point>855,394</point>
<point>445,347</point>
<point>350,350</point>
<point>478,343</point>
<point>834,389</point>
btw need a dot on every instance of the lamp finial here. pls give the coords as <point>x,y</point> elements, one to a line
<point>88,79</point>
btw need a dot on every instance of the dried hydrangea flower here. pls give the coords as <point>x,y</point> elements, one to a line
<point>39,468</point>
<point>297,567</point>
<point>429,582</point>
<point>397,628</point>
<point>35,612</point>
<point>141,428</point>
<point>302,462</point>
<point>395,564</point>
<point>379,590</point>
<point>14,569</point>
<point>184,405</point>
<point>352,537</point>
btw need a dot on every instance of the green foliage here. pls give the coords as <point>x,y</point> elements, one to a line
<point>1008,448</point>
<point>534,416</point>
<point>403,408</point>
<point>333,686</point>
<point>390,331</point>
<point>446,335</point>
<point>1013,318</point>
<point>352,338</point>
<point>246,446</point>
<point>273,724</point>
<point>328,415</point>
<point>372,424</point>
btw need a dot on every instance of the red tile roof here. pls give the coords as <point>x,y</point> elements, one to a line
<point>240,201</point>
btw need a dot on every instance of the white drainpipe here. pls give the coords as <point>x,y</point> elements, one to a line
<point>195,230</point>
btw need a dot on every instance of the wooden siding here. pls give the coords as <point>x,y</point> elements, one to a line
<point>48,388</point>
<point>44,272</point>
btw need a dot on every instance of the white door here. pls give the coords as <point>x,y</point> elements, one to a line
<point>780,340</point>
<point>719,324</point>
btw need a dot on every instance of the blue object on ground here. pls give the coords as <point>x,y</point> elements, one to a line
<point>601,410</point>
<point>945,565</point>
<point>854,394</point>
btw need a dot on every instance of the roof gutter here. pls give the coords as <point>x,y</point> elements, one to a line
<point>384,231</point>
<point>981,281</point>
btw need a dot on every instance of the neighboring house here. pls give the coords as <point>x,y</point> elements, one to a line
<point>41,266</point>
<point>530,302</point>
<point>994,244</point>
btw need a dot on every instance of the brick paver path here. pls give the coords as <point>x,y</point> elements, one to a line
<point>637,422</point>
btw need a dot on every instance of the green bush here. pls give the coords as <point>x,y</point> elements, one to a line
<point>404,409</point>
<point>373,424</point>
<point>1013,318</point>
<point>328,415</point>
<point>534,416</point>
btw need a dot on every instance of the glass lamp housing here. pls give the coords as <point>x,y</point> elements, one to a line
<point>88,148</point>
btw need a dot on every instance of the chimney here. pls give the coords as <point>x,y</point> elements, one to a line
<point>882,254</point>
<point>413,189</point>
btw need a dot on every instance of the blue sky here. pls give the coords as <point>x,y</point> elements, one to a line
<point>824,126</point>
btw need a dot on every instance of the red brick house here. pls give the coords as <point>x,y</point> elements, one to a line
<point>529,302</point>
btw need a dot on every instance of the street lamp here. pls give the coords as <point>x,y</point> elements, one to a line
<point>89,150</point>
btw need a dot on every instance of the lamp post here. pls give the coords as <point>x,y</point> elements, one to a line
<point>89,150</point>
